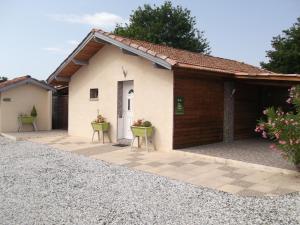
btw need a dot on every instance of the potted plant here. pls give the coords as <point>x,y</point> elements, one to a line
<point>284,128</point>
<point>141,128</point>
<point>100,124</point>
<point>33,112</point>
<point>25,119</point>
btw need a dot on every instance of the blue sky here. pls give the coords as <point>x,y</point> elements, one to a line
<point>37,35</point>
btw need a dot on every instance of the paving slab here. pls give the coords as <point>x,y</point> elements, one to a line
<point>237,178</point>
<point>43,185</point>
<point>213,175</point>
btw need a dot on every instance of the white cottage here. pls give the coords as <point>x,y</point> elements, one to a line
<point>18,96</point>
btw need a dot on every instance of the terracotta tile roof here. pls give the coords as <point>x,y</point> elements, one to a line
<point>183,58</point>
<point>13,81</point>
<point>172,58</point>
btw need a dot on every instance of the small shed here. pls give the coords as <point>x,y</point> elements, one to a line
<point>190,98</point>
<point>18,96</point>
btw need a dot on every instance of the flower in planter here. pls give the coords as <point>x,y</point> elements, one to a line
<point>142,123</point>
<point>284,128</point>
<point>100,119</point>
<point>138,123</point>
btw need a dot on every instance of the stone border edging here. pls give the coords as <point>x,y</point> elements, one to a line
<point>241,163</point>
<point>11,137</point>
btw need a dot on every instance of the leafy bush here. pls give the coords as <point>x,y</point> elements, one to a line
<point>147,124</point>
<point>284,128</point>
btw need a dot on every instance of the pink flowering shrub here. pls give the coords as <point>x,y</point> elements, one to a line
<point>284,127</point>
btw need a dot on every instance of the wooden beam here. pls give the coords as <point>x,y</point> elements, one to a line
<point>268,83</point>
<point>283,78</point>
<point>80,62</point>
<point>87,39</point>
<point>62,79</point>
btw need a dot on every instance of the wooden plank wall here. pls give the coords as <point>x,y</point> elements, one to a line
<point>202,122</point>
<point>247,110</point>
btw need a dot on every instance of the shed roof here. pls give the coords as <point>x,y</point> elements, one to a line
<point>168,57</point>
<point>6,85</point>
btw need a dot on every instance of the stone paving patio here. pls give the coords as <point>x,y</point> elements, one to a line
<point>201,172</point>
<point>44,185</point>
<point>185,166</point>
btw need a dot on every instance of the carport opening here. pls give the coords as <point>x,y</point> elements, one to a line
<point>250,99</point>
<point>249,102</point>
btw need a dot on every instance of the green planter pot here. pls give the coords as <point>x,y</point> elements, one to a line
<point>26,119</point>
<point>142,131</point>
<point>100,126</point>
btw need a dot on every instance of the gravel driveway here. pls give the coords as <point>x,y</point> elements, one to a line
<point>41,185</point>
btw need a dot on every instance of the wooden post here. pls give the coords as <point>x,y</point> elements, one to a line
<point>228,125</point>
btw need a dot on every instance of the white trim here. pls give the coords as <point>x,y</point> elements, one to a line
<point>138,52</point>
<point>27,81</point>
<point>103,39</point>
<point>124,51</point>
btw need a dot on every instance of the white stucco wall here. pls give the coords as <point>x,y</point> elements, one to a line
<point>0,113</point>
<point>22,100</point>
<point>153,94</point>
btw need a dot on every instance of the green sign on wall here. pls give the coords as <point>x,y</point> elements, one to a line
<point>179,105</point>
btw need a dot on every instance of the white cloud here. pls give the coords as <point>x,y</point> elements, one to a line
<point>103,20</point>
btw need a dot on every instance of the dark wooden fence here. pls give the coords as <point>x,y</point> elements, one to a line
<point>60,112</point>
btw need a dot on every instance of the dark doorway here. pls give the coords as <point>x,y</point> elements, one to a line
<point>250,101</point>
<point>60,109</point>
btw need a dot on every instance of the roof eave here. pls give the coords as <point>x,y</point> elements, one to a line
<point>242,75</point>
<point>153,58</point>
<point>27,81</point>
<point>269,76</point>
<point>106,39</point>
<point>201,68</point>
<point>70,57</point>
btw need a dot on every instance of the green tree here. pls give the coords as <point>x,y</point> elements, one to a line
<point>166,25</point>
<point>2,79</point>
<point>285,58</point>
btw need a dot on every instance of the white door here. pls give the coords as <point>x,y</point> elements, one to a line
<point>128,94</point>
